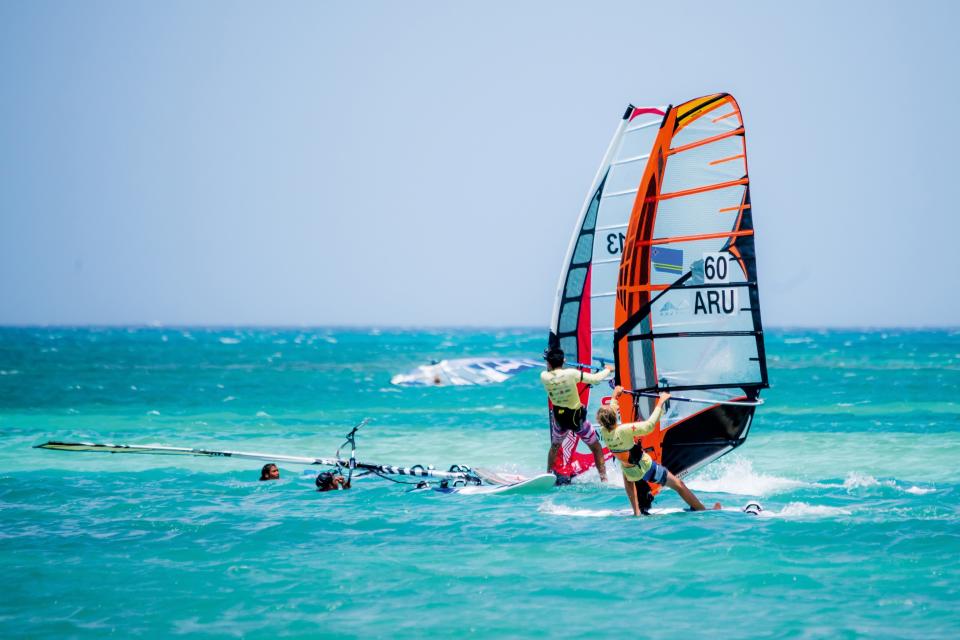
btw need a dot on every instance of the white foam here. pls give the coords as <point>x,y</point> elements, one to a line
<point>856,480</point>
<point>226,340</point>
<point>804,510</point>
<point>736,476</point>
<point>560,510</point>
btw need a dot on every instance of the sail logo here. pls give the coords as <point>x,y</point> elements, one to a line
<point>669,309</point>
<point>667,260</point>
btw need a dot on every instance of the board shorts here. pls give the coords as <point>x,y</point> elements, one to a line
<point>563,420</point>
<point>657,473</point>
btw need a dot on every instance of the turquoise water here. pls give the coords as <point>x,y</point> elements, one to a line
<point>854,458</point>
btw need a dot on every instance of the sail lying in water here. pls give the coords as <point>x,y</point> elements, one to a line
<point>687,306</point>
<point>464,372</point>
<point>583,314</point>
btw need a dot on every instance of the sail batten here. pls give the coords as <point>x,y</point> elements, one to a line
<point>629,160</point>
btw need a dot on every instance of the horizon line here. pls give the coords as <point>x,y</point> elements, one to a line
<point>439,327</point>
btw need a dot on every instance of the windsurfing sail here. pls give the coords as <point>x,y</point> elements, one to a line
<point>458,473</point>
<point>583,314</point>
<point>464,372</point>
<point>687,304</point>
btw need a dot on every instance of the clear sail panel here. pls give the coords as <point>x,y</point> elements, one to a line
<point>708,360</point>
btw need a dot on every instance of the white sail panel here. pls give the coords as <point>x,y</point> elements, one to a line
<point>717,213</point>
<point>716,119</point>
<point>707,165</point>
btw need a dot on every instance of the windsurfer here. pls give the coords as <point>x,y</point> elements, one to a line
<point>328,481</point>
<point>638,467</point>
<point>269,472</point>
<point>568,413</point>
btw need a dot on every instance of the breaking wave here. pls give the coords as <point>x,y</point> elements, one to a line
<point>737,476</point>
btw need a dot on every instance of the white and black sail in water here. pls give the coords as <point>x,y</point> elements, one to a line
<point>583,314</point>
<point>460,372</point>
<point>687,304</point>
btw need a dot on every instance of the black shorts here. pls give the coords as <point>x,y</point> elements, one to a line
<point>569,419</point>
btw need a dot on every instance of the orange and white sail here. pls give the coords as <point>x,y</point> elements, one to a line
<point>687,311</point>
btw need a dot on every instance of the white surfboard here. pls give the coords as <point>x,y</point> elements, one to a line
<point>536,484</point>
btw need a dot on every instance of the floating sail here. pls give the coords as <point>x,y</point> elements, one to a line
<point>583,313</point>
<point>457,473</point>
<point>464,372</point>
<point>687,307</point>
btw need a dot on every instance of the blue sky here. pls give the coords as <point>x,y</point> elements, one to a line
<point>423,163</point>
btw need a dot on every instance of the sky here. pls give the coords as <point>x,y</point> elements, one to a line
<point>424,163</point>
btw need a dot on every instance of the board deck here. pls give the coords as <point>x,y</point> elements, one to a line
<point>536,484</point>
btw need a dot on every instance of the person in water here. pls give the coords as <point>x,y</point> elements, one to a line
<point>269,472</point>
<point>328,481</point>
<point>568,413</point>
<point>638,467</point>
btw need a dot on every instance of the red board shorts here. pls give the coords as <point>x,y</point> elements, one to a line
<point>563,420</point>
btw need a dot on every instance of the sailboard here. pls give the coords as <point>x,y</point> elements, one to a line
<point>687,313</point>
<point>519,485</point>
<point>582,323</point>
<point>751,508</point>
<point>464,372</point>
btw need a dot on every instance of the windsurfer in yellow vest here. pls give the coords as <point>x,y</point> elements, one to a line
<point>638,467</point>
<point>568,413</point>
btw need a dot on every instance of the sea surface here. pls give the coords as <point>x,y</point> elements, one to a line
<point>854,458</point>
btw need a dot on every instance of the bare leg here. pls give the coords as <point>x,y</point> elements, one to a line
<point>598,459</point>
<point>631,488</point>
<point>677,485</point>
<point>552,456</point>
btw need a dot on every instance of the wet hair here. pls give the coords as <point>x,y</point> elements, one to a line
<point>554,356</point>
<point>607,417</point>
<point>265,471</point>
<point>325,481</point>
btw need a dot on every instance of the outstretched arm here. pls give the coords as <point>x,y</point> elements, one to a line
<point>600,376</point>
<point>644,427</point>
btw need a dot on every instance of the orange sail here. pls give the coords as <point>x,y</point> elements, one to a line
<point>687,312</point>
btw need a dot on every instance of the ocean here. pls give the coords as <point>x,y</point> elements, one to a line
<point>854,457</point>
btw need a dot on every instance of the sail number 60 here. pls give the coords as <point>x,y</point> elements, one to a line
<point>716,267</point>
